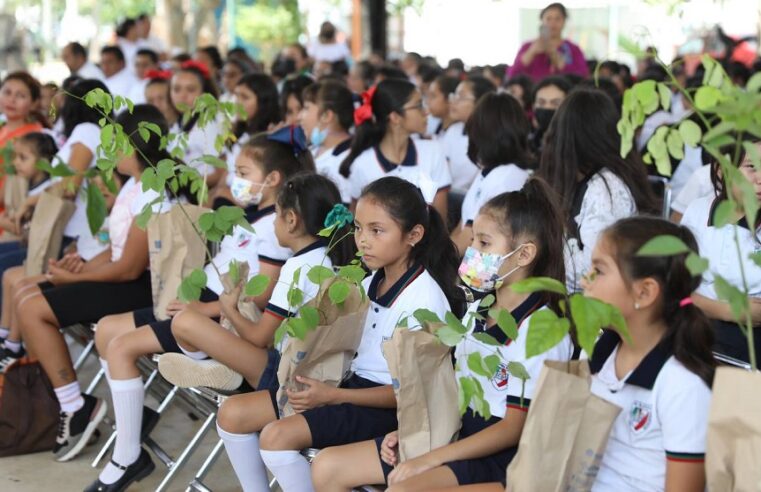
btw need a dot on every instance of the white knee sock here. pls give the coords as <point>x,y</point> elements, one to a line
<point>128,396</point>
<point>104,365</point>
<point>290,469</point>
<point>13,346</point>
<point>70,397</point>
<point>243,451</point>
<point>4,332</point>
<point>199,355</point>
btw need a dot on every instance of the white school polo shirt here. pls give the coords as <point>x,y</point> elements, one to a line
<point>201,141</point>
<point>424,166</point>
<point>416,289</point>
<point>664,416</point>
<point>488,184</point>
<point>87,134</point>
<point>697,186</point>
<point>454,141</point>
<point>294,274</point>
<point>250,247</point>
<point>129,204</point>
<point>502,390</point>
<point>718,245</point>
<point>328,164</point>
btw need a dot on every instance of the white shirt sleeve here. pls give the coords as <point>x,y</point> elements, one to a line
<point>683,405</point>
<point>440,173</point>
<point>697,186</point>
<point>88,134</point>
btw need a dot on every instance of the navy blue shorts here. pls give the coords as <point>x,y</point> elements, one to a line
<point>268,379</point>
<point>163,328</point>
<point>468,472</point>
<point>335,425</point>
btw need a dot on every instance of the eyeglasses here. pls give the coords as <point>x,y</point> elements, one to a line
<point>454,97</point>
<point>418,106</point>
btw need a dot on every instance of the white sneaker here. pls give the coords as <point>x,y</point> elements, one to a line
<point>182,371</point>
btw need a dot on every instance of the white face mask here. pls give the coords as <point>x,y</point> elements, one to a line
<point>241,191</point>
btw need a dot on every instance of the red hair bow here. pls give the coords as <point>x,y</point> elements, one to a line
<point>201,67</point>
<point>365,111</point>
<point>158,74</point>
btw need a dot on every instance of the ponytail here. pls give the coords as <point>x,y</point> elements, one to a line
<point>689,334</point>
<point>371,118</point>
<point>404,202</point>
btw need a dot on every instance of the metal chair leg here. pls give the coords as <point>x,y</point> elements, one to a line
<point>197,483</point>
<point>177,465</point>
<point>87,350</point>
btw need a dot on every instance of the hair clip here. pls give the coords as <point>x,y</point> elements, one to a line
<point>158,74</point>
<point>365,111</point>
<point>195,64</point>
<point>293,136</point>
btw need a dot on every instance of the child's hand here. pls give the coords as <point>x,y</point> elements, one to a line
<point>70,262</point>
<point>228,301</point>
<point>316,394</point>
<point>390,449</point>
<point>175,307</point>
<point>411,468</point>
<point>59,276</point>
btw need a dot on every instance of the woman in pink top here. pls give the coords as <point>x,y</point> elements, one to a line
<point>550,54</point>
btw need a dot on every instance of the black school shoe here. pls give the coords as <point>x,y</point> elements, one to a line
<point>8,357</point>
<point>135,472</point>
<point>150,419</point>
<point>76,428</point>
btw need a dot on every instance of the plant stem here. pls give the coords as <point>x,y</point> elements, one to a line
<point>748,319</point>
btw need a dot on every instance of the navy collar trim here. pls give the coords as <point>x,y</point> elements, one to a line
<point>743,222</point>
<point>438,129</point>
<point>645,374</point>
<point>519,314</point>
<point>253,213</point>
<point>342,147</point>
<point>410,159</point>
<point>387,299</point>
<point>315,245</point>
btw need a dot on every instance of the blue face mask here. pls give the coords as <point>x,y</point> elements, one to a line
<point>318,136</point>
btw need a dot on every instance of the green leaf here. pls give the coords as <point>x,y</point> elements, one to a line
<point>487,301</point>
<point>477,365</point>
<point>589,316</point>
<point>256,285</point>
<point>310,316</point>
<point>751,150</point>
<point>518,370</point>
<point>153,127</point>
<point>695,264</point>
<point>281,332</point>
<point>690,132</point>
<point>206,221</point>
<point>327,231</point>
<point>492,363</point>
<point>230,214</point>
<point>426,316</point>
<point>213,161</point>
<point>187,292</point>
<point>707,98</point>
<point>297,327</point>
<point>318,274</point>
<point>545,330</point>
<point>144,134</point>
<point>144,216</point>
<point>755,258</point>
<point>738,301</point>
<point>234,272</point>
<point>452,321</point>
<point>338,292</point>
<point>198,278</point>
<point>675,144</point>
<point>244,224</point>
<point>449,336</point>
<point>538,284</point>
<point>486,339</point>
<point>505,322</point>
<point>665,95</point>
<point>165,168</point>
<point>663,245</point>
<point>725,213</point>
<point>96,208</point>
<point>353,273</point>
<point>295,297</point>
<point>107,136</point>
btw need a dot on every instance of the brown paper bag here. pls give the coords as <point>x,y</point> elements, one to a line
<point>565,435</point>
<point>246,306</point>
<point>174,250</point>
<point>327,351</point>
<point>16,189</point>
<point>733,452</point>
<point>426,391</point>
<point>51,215</point>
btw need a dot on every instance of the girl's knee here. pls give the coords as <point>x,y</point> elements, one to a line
<point>272,436</point>
<point>183,322</point>
<point>230,417</point>
<point>121,348</point>
<point>326,468</point>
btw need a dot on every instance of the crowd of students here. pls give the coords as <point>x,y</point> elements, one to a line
<point>460,182</point>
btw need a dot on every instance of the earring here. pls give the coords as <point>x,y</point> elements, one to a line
<point>636,305</point>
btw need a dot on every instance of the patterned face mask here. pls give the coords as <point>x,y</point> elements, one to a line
<point>480,271</point>
<point>241,191</point>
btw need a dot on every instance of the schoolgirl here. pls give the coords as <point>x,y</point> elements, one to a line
<point>291,100</point>
<point>115,281</point>
<point>258,96</point>
<point>661,378</point>
<point>547,96</point>
<point>396,232</point>
<point>462,102</point>
<point>192,80</point>
<point>581,160</point>
<point>516,235</point>
<point>437,102</point>
<point>717,244</point>
<point>157,94</point>
<point>327,118</point>
<point>263,166</point>
<point>391,112</point>
<point>498,142</point>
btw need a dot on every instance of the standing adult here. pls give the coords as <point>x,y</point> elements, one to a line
<point>74,55</point>
<point>550,54</point>
<point>146,39</point>
<point>327,48</point>
<point>119,78</point>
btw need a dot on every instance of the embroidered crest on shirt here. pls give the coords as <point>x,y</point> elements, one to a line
<point>243,240</point>
<point>499,380</point>
<point>640,416</point>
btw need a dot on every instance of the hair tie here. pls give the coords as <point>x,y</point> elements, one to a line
<point>365,111</point>
<point>154,74</point>
<point>685,302</point>
<point>195,64</point>
<point>292,136</point>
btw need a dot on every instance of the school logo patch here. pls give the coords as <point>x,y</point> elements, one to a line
<point>244,240</point>
<point>499,380</point>
<point>640,416</point>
